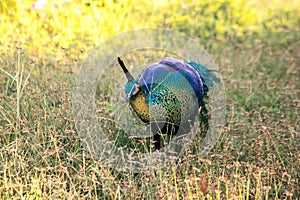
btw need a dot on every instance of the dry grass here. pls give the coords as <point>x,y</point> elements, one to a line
<point>257,157</point>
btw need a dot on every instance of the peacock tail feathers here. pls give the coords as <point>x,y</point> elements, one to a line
<point>207,75</point>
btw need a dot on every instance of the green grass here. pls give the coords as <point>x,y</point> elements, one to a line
<point>258,153</point>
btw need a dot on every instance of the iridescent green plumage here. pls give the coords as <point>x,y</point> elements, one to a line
<point>168,95</point>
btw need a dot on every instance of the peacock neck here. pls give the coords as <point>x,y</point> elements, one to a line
<point>140,106</point>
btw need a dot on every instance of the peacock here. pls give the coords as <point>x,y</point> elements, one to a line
<point>169,95</point>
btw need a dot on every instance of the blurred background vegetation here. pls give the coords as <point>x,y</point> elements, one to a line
<point>41,27</point>
<point>255,43</point>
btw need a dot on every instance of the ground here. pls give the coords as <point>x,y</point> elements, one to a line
<point>257,51</point>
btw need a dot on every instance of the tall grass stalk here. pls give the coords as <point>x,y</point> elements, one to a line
<point>21,81</point>
<point>175,183</point>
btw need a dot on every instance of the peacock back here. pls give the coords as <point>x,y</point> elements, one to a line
<point>173,92</point>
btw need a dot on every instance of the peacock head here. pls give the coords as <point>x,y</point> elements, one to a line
<point>132,87</point>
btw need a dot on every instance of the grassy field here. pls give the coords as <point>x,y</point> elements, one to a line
<point>257,49</point>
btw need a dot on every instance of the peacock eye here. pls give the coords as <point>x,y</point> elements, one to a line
<point>135,89</point>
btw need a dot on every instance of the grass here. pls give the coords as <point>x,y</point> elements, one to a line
<point>257,156</point>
